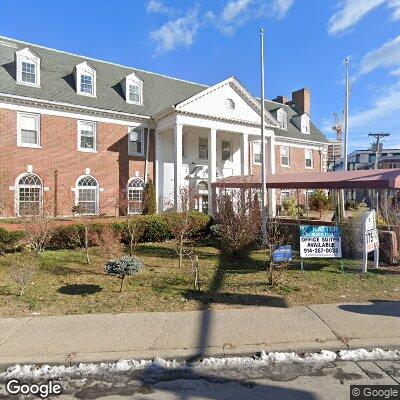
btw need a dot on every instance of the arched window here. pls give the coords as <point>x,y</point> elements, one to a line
<point>135,195</point>
<point>87,195</point>
<point>29,195</point>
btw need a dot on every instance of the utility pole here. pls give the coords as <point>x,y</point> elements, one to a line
<point>378,137</point>
<point>263,170</point>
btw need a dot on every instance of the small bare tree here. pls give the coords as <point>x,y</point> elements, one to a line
<point>3,194</point>
<point>134,225</point>
<point>238,220</point>
<point>108,242</point>
<point>38,226</point>
<point>275,236</point>
<point>180,223</point>
<point>24,270</point>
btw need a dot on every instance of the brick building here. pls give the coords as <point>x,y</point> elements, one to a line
<point>81,132</point>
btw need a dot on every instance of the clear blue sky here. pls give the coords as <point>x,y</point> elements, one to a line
<point>207,41</point>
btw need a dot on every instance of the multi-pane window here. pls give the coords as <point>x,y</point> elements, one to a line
<point>28,72</point>
<point>257,152</point>
<point>282,118</point>
<point>135,196</point>
<point>135,93</point>
<point>29,192</point>
<point>226,150</point>
<point>203,148</point>
<point>309,158</point>
<point>87,136</point>
<point>86,84</point>
<point>305,124</point>
<point>28,130</point>
<point>135,146</point>
<point>87,196</point>
<point>184,141</point>
<point>285,156</point>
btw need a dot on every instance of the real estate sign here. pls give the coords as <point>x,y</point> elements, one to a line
<point>320,241</point>
<point>371,239</point>
<point>282,254</point>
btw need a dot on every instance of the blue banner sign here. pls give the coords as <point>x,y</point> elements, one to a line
<point>282,254</point>
<point>320,241</point>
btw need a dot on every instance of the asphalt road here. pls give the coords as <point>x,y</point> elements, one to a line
<point>275,381</point>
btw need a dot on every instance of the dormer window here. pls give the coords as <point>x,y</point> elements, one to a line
<point>132,87</point>
<point>305,123</point>
<point>87,84</point>
<point>27,67</point>
<point>281,116</point>
<point>85,78</point>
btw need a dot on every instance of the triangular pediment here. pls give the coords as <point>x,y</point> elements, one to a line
<point>227,100</point>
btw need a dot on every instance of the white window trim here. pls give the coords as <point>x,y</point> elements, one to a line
<point>19,143</point>
<point>141,130</point>
<point>306,118</point>
<point>282,112</point>
<point>139,83</point>
<point>141,188</point>
<point>184,145</point>
<point>16,192</point>
<point>84,150</point>
<point>198,148</point>
<point>26,55</point>
<point>254,153</point>
<point>230,159</point>
<point>312,158</point>
<point>288,156</point>
<point>85,69</point>
<point>98,190</point>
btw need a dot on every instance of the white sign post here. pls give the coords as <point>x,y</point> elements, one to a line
<point>370,239</point>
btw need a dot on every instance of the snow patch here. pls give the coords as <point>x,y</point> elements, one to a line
<point>33,372</point>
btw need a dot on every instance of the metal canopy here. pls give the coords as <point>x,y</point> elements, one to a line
<point>360,179</point>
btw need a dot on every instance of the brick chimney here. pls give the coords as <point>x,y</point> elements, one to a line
<point>281,99</point>
<point>302,100</point>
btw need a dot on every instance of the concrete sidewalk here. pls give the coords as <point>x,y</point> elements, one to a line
<point>105,337</point>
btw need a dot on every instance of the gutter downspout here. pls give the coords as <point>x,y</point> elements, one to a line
<point>146,160</point>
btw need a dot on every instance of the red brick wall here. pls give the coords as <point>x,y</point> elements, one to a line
<point>297,164</point>
<point>111,166</point>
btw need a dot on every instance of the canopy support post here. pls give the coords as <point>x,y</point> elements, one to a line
<point>298,206</point>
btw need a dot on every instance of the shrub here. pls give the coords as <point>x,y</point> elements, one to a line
<point>289,207</point>
<point>156,229</point>
<point>122,267</point>
<point>320,202</point>
<point>237,230</point>
<point>9,240</point>
<point>149,199</point>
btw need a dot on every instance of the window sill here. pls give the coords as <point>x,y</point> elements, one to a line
<point>87,151</point>
<point>309,167</point>
<point>86,94</point>
<point>285,166</point>
<point>135,154</point>
<point>29,146</point>
<point>28,84</point>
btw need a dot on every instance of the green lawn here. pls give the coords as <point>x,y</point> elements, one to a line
<point>65,284</point>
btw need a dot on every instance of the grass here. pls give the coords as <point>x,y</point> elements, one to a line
<point>65,284</point>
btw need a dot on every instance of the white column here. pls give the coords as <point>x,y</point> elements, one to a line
<point>244,153</point>
<point>271,170</point>
<point>158,171</point>
<point>177,163</point>
<point>212,163</point>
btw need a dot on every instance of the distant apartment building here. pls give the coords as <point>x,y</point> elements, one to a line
<point>365,159</point>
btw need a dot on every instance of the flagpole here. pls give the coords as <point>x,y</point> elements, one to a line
<point>263,170</point>
<point>346,134</point>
